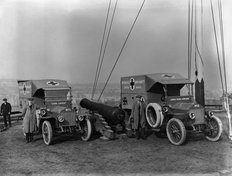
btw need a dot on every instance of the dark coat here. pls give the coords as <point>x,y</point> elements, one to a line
<point>5,109</point>
<point>29,120</point>
<point>138,115</point>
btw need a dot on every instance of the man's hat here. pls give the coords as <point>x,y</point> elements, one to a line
<point>4,99</point>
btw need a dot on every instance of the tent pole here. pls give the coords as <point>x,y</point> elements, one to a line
<point>227,107</point>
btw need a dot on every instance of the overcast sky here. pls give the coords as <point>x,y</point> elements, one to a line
<point>61,39</point>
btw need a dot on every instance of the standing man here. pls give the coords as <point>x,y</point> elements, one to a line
<point>6,111</point>
<point>29,120</point>
<point>138,115</point>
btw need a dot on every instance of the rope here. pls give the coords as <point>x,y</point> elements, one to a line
<point>199,54</point>
<point>107,39</point>
<point>215,35</point>
<point>195,18</point>
<point>197,51</point>
<point>103,38</point>
<point>222,41</point>
<point>191,40</point>
<point>122,49</point>
<point>189,64</point>
<point>202,27</point>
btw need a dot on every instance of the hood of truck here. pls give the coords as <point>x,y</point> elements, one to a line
<point>182,106</point>
<point>57,109</point>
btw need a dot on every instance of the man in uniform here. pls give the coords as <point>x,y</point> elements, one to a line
<point>29,120</point>
<point>6,111</point>
<point>138,115</point>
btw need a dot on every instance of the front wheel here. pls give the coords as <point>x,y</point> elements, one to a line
<point>176,131</point>
<point>47,132</point>
<point>86,129</point>
<point>215,129</point>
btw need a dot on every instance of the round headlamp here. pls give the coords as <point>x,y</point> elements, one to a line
<point>192,115</point>
<point>80,117</point>
<point>210,114</point>
<point>60,118</point>
<point>43,112</point>
<point>165,109</point>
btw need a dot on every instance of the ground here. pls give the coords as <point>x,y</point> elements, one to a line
<point>123,156</point>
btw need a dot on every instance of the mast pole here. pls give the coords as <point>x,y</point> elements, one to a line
<point>199,65</point>
<point>225,95</point>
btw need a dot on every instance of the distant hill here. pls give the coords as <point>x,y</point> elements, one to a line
<point>9,89</point>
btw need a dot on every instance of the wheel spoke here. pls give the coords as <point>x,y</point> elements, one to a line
<point>176,131</point>
<point>213,126</point>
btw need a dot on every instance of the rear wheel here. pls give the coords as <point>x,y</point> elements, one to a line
<point>86,129</point>
<point>176,131</point>
<point>47,132</point>
<point>215,129</point>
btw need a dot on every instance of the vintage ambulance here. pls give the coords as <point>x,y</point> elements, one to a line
<point>171,109</point>
<point>55,113</point>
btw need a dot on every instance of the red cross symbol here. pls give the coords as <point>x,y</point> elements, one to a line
<point>132,84</point>
<point>52,83</point>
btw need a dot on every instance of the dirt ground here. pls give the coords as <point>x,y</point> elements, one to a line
<point>123,156</point>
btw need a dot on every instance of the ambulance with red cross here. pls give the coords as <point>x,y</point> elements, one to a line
<point>171,108</point>
<point>55,114</point>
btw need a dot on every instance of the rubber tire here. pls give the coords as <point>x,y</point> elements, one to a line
<point>181,128</point>
<point>220,129</point>
<point>47,141</point>
<point>89,131</point>
<point>156,107</point>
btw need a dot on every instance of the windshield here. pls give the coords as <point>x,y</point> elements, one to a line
<point>179,90</point>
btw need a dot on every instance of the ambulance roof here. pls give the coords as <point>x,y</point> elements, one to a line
<point>168,78</point>
<point>48,84</point>
<point>162,78</point>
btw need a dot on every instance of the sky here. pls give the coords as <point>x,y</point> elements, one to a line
<point>61,39</point>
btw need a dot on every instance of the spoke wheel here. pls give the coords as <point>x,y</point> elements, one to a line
<point>215,129</point>
<point>47,132</point>
<point>86,129</point>
<point>176,131</point>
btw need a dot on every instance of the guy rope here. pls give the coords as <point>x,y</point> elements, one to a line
<point>102,53</point>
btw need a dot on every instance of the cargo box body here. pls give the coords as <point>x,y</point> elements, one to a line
<point>46,93</point>
<point>150,87</point>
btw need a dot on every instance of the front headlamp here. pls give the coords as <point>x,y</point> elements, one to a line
<point>43,112</point>
<point>80,117</point>
<point>192,115</point>
<point>210,113</point>
<point>60,118</point>
<point>165,109</point>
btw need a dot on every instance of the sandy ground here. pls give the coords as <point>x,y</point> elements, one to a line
<point>123,156</point>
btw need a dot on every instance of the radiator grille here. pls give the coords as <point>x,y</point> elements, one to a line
<point>199,113</point>
<point>69,118</point>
